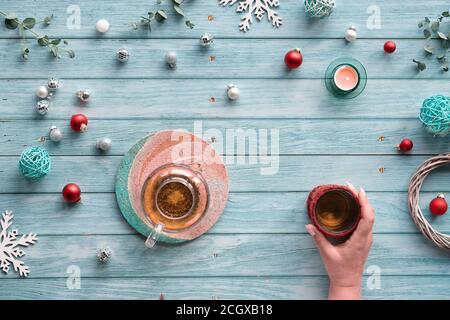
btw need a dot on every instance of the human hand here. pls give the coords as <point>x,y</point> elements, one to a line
<point>344,263</point>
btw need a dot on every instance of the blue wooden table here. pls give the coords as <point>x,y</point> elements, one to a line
<point>259,248</point>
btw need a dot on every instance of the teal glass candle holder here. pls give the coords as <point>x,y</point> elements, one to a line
<point>348,65</point>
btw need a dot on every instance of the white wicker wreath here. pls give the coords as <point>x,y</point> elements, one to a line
<point>440,239</point>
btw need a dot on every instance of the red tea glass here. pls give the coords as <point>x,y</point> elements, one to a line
<point>334,210</point>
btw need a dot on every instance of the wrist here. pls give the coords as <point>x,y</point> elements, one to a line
<point>344,292</point>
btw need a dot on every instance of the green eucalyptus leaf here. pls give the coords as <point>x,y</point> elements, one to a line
<point>160,16</point>
<point>48,19</point>
<point>11,21</point>
<point>43,40</point>
<point>178,2</point>
<point>429,49</point>
<point>442,36</point>
<point>55,41</point>
<point>427,33</point>
<point>440,56</point>
<point>420,65</point>
<point>435,26</point>
<point>54,50</point>
<point>427,20</point>
<point>28,23</point>
<point>420,25</point>
<point>178,10</point>
<point>189,24</point>
<point>446,14</point>
<point>71,54</point>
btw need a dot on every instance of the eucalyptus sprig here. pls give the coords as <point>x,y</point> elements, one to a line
<point>432,29</point>
<point>160,16</point>
<point>12,22</point>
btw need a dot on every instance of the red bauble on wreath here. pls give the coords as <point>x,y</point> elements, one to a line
<point>389,47</point>
<point>71,193</point>
<point>438,205</point>
<point>293,59</point>
<point>79,122</point>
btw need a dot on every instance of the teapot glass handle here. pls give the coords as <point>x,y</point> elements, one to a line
<point>153,237</point>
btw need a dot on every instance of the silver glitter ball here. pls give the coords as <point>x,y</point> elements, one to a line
<point>42,107</point>
<point>123,55</point>
<point>53,84</point>
<point>55,134</point>
<point>206,40</point>
<point>103,144</point>
<point>83,95</point>
<point>171,59</point>
<point>104,254</point>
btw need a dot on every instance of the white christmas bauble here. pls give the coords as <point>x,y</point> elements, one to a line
<point>42,107</point>
<point>102,25</point>
<point>55,134</point>
<point>350,34</point>
<point>171,59</point>
<point>42,92</point>
<point>103,144</point>
<point>233,92</point>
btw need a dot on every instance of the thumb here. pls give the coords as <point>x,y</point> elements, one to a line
<point>324,246</point>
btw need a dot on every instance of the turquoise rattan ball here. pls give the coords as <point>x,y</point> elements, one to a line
<point>435,114</point>
<point>34,163</point>
<point>319,8</point>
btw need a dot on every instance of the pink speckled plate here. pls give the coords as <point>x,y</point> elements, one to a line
<point>162,149</point>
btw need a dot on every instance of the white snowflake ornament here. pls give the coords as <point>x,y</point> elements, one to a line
<point>258,8</point>
<point>10,246</point>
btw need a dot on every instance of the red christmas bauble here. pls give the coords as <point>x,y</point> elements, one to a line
<point>406,145</point>
<point>389,46</point>
<point>438,205</point>
<point>71,193</point>
<point>293,59</point>
<point>79,122</point>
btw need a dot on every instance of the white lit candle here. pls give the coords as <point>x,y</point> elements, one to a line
<point>346,78</point>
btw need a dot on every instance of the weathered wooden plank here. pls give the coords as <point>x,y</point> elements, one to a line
<point>292,173</point>
<point>223,255</point>
<point>190,99</point>
<point>225,20</point>
<point>392,287</point>
<point>233,58</point>
<point>245,213</point>
<point>284,136</point>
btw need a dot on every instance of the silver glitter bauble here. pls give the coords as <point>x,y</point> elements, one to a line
<point>83,95</point>
<point>55,134</point>
<point>233,92</point>
<point>103,144</point>
<point>42,92</point>
<point>206,40</point>
<point>123,55</point>
<point>53,84</point>
<point>42,106</point>
<point>171,59</point>
<point>104,254</point>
